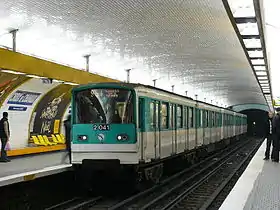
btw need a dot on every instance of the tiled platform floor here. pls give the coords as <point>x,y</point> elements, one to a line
<point>258,188</point>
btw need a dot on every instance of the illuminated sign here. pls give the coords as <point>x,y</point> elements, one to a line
<point>17,108</point>
<point>276,102</point>
<point>23,97</point>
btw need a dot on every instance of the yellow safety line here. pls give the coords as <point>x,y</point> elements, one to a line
<point>36,149</point>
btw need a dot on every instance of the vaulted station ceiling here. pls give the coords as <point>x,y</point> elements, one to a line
<point>190,44</point>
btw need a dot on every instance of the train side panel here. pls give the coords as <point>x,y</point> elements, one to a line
<point>159,142</point>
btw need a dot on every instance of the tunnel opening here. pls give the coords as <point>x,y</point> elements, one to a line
<point>256,121</point>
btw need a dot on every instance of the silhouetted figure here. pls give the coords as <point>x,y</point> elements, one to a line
<point>5,136</point>
<point>67,126</point>
<point>276,136</point>
<point>116,117</point>
<point>268,135</point>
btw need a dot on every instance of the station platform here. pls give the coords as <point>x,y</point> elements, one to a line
<point>258,188</point>
<point>31,167</point>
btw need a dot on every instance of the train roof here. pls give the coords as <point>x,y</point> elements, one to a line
<point>134,85</point>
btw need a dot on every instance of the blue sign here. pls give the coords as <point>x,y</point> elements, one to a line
<point>23,97</point>
<point>17,108</point>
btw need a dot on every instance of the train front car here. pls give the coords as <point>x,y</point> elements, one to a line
<point>103,126</point>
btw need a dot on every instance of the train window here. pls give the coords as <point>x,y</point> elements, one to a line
<point>213,119</point>
<point>164,115</point>
<point>104,106</point>
<point>140,113</point>
<point>191,119</point>
<point>172,115</point>
<point>216,119</point>
<point>179,117</point>
<point>185,117</point>
<point>152,114</point>
<point>200,112</point>
<point>206,119</point>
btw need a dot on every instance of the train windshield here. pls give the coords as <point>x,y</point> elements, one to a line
<point>104,106</point>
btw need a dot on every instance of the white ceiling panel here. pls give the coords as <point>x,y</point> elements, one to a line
<point>189,44</point>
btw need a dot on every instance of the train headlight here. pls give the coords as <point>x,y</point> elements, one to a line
<point>82,137</point>
<point>122,137</point>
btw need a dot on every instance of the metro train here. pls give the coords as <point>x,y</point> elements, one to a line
<point>125,125</point>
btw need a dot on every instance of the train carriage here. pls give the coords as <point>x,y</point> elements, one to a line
<point>124,124</point>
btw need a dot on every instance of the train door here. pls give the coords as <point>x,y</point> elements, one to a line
<point>221,125</point>
<point>156,128</point>
<point>203,122</point>
<point>186,126</point>
<point>173,128</point>
<point>210,126</point>
<point>196,125</point>
<point>141,127</point>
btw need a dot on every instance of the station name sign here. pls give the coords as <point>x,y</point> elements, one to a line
<point>23,97</point>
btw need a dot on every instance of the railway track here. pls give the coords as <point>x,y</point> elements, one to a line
<point>76,203</point>
<point>196,187</point>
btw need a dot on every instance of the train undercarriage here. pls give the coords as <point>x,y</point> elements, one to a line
<point>99,175</point>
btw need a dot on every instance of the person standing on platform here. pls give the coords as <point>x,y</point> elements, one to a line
<point>5,136</point>
<point>67,126</point>
<point>268,133</point>
<point>276,136</point>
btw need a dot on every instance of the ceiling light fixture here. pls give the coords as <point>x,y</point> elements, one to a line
<point>257,61</point>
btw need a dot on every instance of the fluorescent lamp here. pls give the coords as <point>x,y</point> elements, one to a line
<point>252,43</point>
<point>35,76</point>
<point>242,8</point>
<point>55,80</point>
<point>262,77</point>
<point>70,83</point>
<point>257,61</point>
<point>11,72</point>
<point>263,81</point>
<point>259,68</point>
<point>248,28</point>
<point>261,73</point>
<point>255,53</point>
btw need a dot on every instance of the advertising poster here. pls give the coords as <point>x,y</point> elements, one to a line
<point>276,101</point>
<point>8,82</point>
<point>49,111</point>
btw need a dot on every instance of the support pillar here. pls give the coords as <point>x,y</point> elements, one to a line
<point>128,75</point>
<point>87,62</point>
<point>14,34</point>
<point>154,81</point>
<point>172,88</point>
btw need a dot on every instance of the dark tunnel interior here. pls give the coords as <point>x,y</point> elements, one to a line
<point>256,120</point>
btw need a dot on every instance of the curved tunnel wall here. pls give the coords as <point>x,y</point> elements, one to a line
<point>257,122</point>
<point>34,109</point>
<point>257,116</point>
<point>242,107</point>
